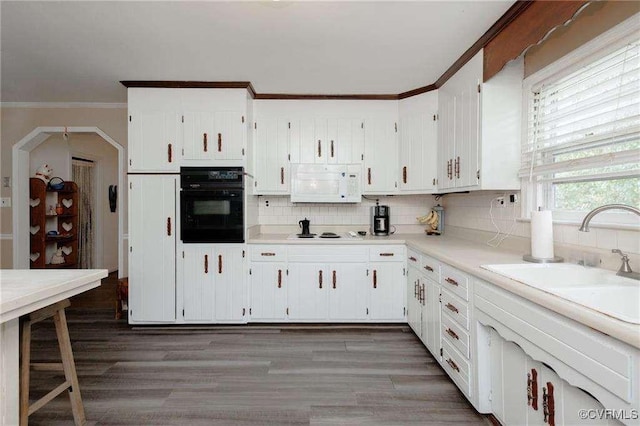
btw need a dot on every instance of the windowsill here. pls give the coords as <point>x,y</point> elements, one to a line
<point>614,226</point>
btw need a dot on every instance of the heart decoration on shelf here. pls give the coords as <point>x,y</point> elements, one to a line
<point>34,202</point>
<point>34,256</point>
<point>34,229</point>
<point>67,250</point>
<point>67,202</point>
<point>67,226</point>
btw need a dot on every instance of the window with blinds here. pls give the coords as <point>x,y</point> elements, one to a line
<point>582,147</point>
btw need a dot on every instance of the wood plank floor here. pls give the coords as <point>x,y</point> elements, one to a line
<point>247,376</point>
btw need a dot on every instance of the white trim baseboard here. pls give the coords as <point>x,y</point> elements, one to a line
<point>62,105</point>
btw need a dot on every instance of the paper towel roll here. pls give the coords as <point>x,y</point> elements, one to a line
<point>541,234</point>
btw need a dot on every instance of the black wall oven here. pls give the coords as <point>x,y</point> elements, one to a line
<point>211,205</point>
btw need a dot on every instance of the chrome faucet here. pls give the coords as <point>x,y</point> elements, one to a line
<point>625,268</point>
<point>585,222</point>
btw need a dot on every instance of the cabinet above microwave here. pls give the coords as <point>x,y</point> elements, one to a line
<point>326,183</point>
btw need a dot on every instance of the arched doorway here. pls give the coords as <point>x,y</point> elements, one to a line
<point>20,178</point>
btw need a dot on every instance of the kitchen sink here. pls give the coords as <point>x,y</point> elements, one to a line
<point>594,288</point>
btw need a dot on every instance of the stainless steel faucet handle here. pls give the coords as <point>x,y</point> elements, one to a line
<point>620,253</point>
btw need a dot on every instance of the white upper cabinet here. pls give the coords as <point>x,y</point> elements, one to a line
<point>173,127</point>
<point>380,156</point>
<point>480,128</point>
<point>345,141</point>
<point>271,150</point>
<point>418,143</point>
<point>155,130</point>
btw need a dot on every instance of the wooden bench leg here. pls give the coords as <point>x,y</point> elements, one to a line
<point>68,364</point>
<point>25,360</point>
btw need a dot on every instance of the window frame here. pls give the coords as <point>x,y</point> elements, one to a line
<point>534,194</point>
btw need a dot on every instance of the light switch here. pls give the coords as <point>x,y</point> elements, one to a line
<point>5,202</point>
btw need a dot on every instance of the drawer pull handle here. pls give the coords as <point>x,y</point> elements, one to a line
<point>453,365</point>
<point>219,142</point>
<point>368,175</point>
<point>458,167</point>
<point>413,259</point>
<point>220,264</point>
<point>422,298</point>
<point>279,278</point>
<point>375,279</point>
<point>387,254</point>
<point>428,268</point>
<point>415,289</point>
<point>331,149</point>
<point>334,279</point>
<point>532,389</point>
<point>452,333</point>
<point>169,226</point>
<point>320,279</point>
<point>319,148</point>
<point>204,142</point>
<point>451,281</point>
<point>267,254</point>
<point>452,308</point>
<point>206,263</point>
<point>404,174</point>
<point>169,153</point>
<point>281,175</point>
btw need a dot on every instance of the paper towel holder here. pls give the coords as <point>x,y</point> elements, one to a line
<point>554,259</point>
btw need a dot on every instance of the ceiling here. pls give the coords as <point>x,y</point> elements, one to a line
<point>79,51</point>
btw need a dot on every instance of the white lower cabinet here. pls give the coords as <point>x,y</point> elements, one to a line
<point>414,307</point>
<point>152,249</point>
<point>386,291</point>
<point>308,295</point>
<point>347,291</point>
<point>526,392</point>
<point>431,317</point>
<point>268,285</point>
<point>213,283</point>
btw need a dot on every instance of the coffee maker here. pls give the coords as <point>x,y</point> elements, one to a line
<point>380,220</point>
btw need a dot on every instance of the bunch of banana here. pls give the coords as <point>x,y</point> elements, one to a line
<point>430,220</point>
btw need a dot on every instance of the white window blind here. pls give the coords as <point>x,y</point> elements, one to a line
<point>585,125</point>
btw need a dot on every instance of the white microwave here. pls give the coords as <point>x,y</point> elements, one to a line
<point>325,183</point>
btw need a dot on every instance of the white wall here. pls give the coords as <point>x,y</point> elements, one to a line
<point>54,152</point>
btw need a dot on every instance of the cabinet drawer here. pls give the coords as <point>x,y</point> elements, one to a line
<point>455,281</point>
<point>326,253</point>
<point>457,309</point>
<point>268,253</point>
<point>457,367</point>
<point>430,267</point>
<point>413,258</point>
<point>455,334</point>
<point>387,254</point>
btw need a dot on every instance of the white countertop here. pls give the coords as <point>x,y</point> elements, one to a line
<point>26,290</point>
<point>467,256</point>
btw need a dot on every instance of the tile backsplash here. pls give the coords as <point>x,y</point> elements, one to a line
<point>279,210</point>
<point>472,211</point>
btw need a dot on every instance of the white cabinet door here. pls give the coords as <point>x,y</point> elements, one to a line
<point>418,152</point>
<point>229,135</point>
<point>433,311</point>
<point>199,134</point>
<point>386,291</point>
<point>380,157</point>
<point>152,254</point>
<point>307,294</point>
<point>228,269</point>
<point>268,281</point>
<point>310,136</point>
<point>467,132</point>
<point>345,141</point>
<point>198,283</point>
<point>155,130</point>
<point>347,288</point>
<point>272,156</point>
<point>446,139</point>
<point>413,305</point>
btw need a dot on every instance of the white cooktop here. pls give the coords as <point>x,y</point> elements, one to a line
<point>343,236</point>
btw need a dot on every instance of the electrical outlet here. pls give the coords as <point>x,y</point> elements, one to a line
<point>5,202</point>
<point>500,201</point>
<point>513,198</point>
